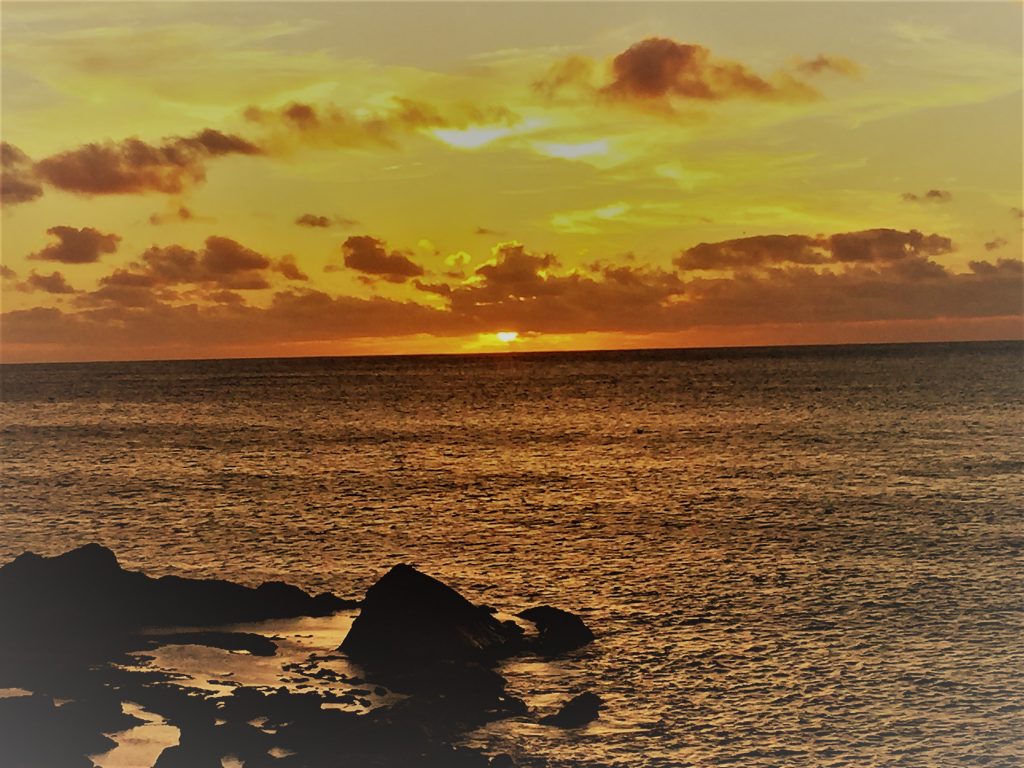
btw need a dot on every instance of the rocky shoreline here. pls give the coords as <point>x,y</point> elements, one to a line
<point>74,625</point>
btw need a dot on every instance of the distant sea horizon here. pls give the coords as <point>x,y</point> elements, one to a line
<point>526,353</point>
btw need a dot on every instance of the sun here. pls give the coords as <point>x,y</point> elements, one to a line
<point>507,336</point>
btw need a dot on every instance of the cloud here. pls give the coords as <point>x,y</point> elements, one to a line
<point>487,232</point>
<point>222,264</point>
<point>759,251</point>
<point>1019,213</point>
<point>996,244</point>
<point>286,266</point>
<point>314,221</point>
<point>18,180</point>
<point>572,72</point>
<point>77,246</point>
<point>369,255</point>
<point>516,290</point>
<point>755,251</point>
<point>52,283</point>
<point>658,70</point>
<point>310,220</point>
<point>821,63</point>
<point>329,125</point>
<point>181,213</point>
<point>931,196</point>
<point>7,273</point>
<point>133,166</point>
<point>441,289</point>
<point>874,245</point>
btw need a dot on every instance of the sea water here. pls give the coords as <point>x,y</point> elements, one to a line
<point>799,556</point>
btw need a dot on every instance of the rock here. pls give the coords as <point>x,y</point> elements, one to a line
<point>408,618</point>
<point>503,760</point>
<point>576,712</point>
<point>86,594</point>
<point>560,630</point>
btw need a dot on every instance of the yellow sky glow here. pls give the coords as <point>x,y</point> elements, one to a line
<point>188,180</point>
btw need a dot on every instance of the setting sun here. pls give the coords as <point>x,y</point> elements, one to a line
<point>507,336</point>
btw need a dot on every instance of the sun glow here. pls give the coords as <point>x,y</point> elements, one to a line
<point>473,137</point>
<point>507,336</point>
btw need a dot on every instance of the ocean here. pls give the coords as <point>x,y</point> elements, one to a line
<point>805,556</point>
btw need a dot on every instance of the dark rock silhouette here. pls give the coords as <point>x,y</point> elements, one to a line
<point>68,622</point>
<point>87,594</point>
<point>576,712</point>
<point>34,732</point>
<point>408,618</point>
<point>560,630</point>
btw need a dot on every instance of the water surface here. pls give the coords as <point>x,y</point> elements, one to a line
<point>806,556</point>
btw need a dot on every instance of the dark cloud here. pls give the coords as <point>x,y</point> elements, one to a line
<point>526,292</point>
<point>658,69</point>
<point>133,166</point>
<point>52,283</point>
<point>181,213</point>
<point>369,255</point>
<point>311,220</point>
<point>322,222</point>
<point>7,273</point>
<point>441,289</point>
<point>222,264</point>
<point>522,291</point>
<point>821,63</point>
<point>18,180</point>
<point>286,266</point>
<point>77,246</point>
<point>873,245</point>
<point>224,256</point>
<point>486,231</point>
<point>931,196</point>
<point>870,245</point>
<point>330,126</point>
<point>996,244</point>
<point>755,251</point>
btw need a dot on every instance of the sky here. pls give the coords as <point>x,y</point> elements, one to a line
<point>192,180</point>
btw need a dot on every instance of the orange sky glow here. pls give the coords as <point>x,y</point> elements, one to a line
<point>186,180</point>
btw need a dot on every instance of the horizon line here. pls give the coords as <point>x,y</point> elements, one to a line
<point>525,353</point>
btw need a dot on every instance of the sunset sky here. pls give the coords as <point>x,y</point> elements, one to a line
<point>264,179</point>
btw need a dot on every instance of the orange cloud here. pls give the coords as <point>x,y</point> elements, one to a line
<point>181,213</point>
<point>657,71</point>
<point>77,246</point>
<point>18,181</point>
<point>222,264</point>
<point>368,255</point>
<point>178,299</point>
<point>52,283</point>
<point>870,245</point>
<point>133,166</point>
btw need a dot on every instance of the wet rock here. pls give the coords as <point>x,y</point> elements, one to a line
<point>408,618</point>
<point>560,630</point>
<point>86,593</point>
<point>576,712</point>
<point>34,733</point>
